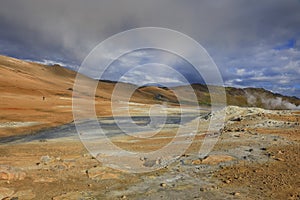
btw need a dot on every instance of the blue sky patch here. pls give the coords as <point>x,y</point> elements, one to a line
<point>288,45</point>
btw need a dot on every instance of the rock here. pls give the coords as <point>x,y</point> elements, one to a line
<point>163,185</point>
<point>87,155</point>
<point>216,159</point>
<point>11,173</point>
<point>186,161</point>
<point>196,162</point>
<point>279,159</point>
<point>143,158</point>
<point>237,119</point>
<point>208,188</point>
<point>58,159</point>
<point>60,167</point>
<point>235,194</point>
<point>46,160</point>
<point>280,152</point>
<point>102,173</point>
<point>150,163</point>
<point>227,181</point>
<point>5,192</point>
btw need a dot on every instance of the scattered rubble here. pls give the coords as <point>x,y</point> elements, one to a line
<point>11,173</point>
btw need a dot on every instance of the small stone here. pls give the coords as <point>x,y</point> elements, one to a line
<point>143,158</point>
<point>123,197</point>
<point>186,161</point>
<point>158,161</point>
<point>279,159</point>
<point>179,169</point>
<point>163,185</point>
<point>151,163</point>
<point>45,160</point>
<point>86,155</point>
<point>236,194</point>
<point>280,152</point>
<point>60,167</point>
<point>196,162</point>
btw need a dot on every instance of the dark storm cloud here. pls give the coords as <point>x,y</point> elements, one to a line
<point>249,40</point>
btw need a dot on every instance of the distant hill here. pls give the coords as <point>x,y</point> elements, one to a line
<point>245,97</point>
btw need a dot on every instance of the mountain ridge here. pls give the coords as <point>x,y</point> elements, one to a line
<point>248,96</point>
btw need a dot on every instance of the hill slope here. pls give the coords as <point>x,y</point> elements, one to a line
<point>35,96</point>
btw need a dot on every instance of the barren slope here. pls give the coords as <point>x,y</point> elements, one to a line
<point>35,96</point>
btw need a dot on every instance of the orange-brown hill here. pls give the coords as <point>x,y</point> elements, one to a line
<point>35,96</point>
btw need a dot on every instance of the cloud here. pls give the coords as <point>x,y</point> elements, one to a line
<point>267,68</point>
<point>150,66</point>
<point>253,43</point>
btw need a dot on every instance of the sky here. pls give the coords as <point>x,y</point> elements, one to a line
<point>253,43</point>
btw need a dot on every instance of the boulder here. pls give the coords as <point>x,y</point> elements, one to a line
<point>216,159</point>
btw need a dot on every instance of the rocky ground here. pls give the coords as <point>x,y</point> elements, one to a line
<point>256,157</point>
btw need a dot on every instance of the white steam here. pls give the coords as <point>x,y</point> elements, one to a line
<point>270,103</point>
<point>279,103</point>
